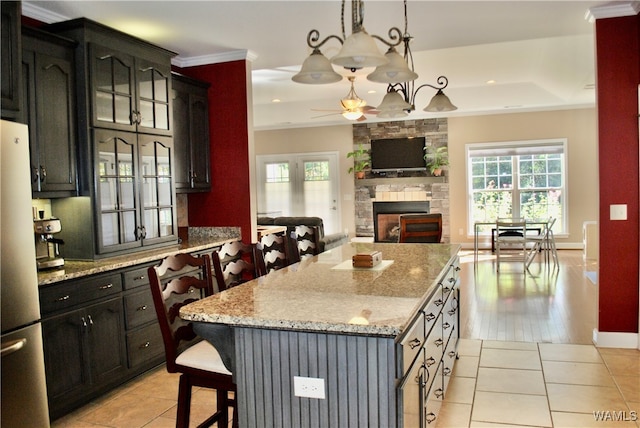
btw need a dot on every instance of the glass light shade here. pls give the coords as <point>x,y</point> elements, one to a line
<point>440,102</point>
<point>352,114</point>
<point>397,70</point>
<point>393,102</point>
<point>392,114</point>
<point>358,51</point>
<point>316,70</point>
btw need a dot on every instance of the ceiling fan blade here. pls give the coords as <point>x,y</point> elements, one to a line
<point>325,115</point>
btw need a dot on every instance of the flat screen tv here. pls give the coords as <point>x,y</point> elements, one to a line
<point>398,154</point>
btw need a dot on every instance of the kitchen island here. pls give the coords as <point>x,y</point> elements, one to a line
<point>378,343</point>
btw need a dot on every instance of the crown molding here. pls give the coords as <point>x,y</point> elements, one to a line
<point>237,55</point>
<point>42,15</point>
<point>612,10</point>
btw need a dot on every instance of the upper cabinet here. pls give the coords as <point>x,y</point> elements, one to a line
<point>128,93</point>
<point>10,48</point>
<point>191,134</point>
<point>126,144</point>
<point>49,110</point>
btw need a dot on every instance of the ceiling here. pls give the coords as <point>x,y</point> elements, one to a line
<point>539,54</point>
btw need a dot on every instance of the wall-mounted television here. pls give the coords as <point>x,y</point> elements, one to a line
<point>398,154</point>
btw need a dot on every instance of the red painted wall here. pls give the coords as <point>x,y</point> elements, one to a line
<point>228,202</point>
<point>618,76</point>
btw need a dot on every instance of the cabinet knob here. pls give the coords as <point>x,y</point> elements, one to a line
<point>63,298</point>
<point>430,361</point>
<point>106,286</point>
<point>429,317</point>
<point>414,343</point>
<point>141,308</point>
<point>144,345</point>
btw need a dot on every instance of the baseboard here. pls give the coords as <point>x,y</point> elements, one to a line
<point>603,339</point>
<point>487,245</point>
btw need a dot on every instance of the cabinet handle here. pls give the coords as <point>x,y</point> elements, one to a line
<point>446,371</point>
<point>90,319</point>
<point>452,354</point>
<point>84,323</point>
<point>438,341</point>
<point>446,290</point>
<point>35,177</point>
<point>144,232</point>
<point>138,278</point>
<point>105,287</point>
<point>43,173</point>
<point>414,343</point>
<point>430,361</point>
<point>144,345</point>
<point>452,280</point>
<point>438,302</point>
<point>446,326</point>
<point>141,308</point>
<point>429,317</point>
<point>452,311</point>
<point>457,269</point>
<point>430,417</point>
<point>63,298</point>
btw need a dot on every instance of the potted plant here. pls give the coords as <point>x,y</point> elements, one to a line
<point>360,161</point>
<point>436,158</point>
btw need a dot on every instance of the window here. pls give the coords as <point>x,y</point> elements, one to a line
<point>519,179</point>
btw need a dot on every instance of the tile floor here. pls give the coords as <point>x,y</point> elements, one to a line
<point>506,384</point>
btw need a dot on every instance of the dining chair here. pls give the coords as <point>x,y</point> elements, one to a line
<point>305,242</point>
<point>544,243</point>
<point>426,228</point>
<point>511,234</point>
<point>234,263</point>
<point>176,281</point>
<point>272,252</point>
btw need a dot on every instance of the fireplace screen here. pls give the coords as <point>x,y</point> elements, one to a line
<point>386,217</point>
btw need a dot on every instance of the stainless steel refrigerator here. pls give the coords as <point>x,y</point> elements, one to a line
<point>24,394</point>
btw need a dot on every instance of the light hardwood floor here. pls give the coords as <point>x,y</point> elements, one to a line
<point>542,305</point>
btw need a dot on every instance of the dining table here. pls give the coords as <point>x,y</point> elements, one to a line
<point>538,226</point>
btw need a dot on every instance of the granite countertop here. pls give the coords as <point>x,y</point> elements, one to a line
<point>326,294</point>
<point>199,239</point>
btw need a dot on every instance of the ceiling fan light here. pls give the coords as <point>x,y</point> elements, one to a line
<point>397,70</point>
<point>439,103</point>
<point>359,51</point>
<point>352,114</point>
<point>393,102</point>
<point>316,70</point>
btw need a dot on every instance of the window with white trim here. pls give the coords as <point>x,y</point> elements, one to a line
<point>520,179</point>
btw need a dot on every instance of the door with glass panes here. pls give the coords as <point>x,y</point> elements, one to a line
<point>135,198</point>
<point>303,184</point>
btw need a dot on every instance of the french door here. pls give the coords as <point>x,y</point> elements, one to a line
<point>300,184</point>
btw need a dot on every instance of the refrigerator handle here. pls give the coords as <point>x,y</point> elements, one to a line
<point>12,346</point>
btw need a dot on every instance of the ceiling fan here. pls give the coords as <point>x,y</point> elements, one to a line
<point>353,107</point>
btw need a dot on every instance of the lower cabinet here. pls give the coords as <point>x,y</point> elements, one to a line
<point>84,351</point>
<point>98,332</point>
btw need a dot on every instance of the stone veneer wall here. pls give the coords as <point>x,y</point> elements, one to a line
<point>394,186</point>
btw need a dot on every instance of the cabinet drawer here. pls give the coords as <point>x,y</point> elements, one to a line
<point>144,345</point>
<point>435,345</point>
<point>432,311</point>
<point>76,292</point>
<point>138,308</point>
<point>136,278</point>
<point>450,279</point>
<point>412,342</point>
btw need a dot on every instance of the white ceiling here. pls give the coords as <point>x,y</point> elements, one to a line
<point>539,53</point>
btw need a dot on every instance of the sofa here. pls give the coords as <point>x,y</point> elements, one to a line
<point>326,242</point>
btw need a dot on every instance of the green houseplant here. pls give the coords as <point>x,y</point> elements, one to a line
<point>361,161</point>
<point>436,158</point>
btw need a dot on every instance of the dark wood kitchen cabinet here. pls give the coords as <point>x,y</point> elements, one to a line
<point>135,190</point>
<point>49,110</point>
<point>83,340</point>
<point>10,48</point>
<point>123,87</point>
<point>191,134</point>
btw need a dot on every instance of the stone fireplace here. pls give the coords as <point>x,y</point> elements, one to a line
<point>418,188</point>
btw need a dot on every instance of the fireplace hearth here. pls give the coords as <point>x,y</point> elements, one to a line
<point>386,222</point>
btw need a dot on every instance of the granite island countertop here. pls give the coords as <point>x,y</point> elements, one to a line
<point>199,239</point>
<point>325,293</point>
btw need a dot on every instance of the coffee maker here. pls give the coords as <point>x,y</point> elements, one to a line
<point>47,247</point>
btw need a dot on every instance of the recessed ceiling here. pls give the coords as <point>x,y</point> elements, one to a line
<point>540,54</point>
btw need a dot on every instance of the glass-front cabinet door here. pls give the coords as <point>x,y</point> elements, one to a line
<point>153,83</point>
<point>112,95</point>
<point>157,193</point>
<point>117,194</point>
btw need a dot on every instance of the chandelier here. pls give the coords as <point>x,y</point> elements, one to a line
<point>359,50</point>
